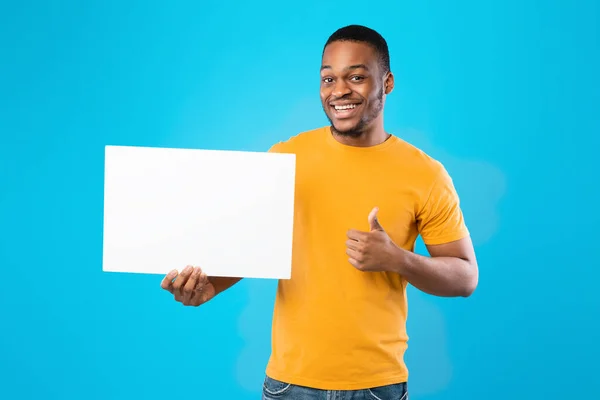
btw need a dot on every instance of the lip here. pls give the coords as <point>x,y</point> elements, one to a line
<point>344,114</point>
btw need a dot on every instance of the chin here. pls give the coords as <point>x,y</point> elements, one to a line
<point>347,128</point>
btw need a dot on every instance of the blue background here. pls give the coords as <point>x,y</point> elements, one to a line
<point>507,96</point>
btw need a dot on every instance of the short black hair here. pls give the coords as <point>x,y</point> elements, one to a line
<point>359,33</point>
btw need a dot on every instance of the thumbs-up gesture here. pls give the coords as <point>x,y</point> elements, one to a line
<point>373,250</point>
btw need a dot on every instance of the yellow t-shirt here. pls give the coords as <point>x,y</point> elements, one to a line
<point>335,327</point>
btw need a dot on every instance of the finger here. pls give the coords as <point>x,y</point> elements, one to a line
<point>201,283</point>
<point>190,285</point>
<point>354,263</point>
<point>180,282</point>
<point>356,235</point>
<point>167,282</point>
<point>352,244</point>
<point>202,280</point>
<point>204,290</point>
<point>374,221</point>
<point>355,255</point>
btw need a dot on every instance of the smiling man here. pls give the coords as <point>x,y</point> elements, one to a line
<point>363,196</point>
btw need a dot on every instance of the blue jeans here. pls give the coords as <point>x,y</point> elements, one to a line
<point>277,390</point>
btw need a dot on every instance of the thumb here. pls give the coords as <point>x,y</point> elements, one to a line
<point>374,221</point>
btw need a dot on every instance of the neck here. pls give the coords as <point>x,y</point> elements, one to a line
<point>370,136</point>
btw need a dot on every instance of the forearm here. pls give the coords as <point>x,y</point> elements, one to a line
<point>222,283</point>
<point>439,276</point>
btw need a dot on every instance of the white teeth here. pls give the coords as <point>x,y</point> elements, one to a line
<point>345,107</point>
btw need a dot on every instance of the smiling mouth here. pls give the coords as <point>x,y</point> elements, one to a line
<point>346,110</point>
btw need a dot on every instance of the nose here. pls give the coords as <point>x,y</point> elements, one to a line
<point>341,89</point>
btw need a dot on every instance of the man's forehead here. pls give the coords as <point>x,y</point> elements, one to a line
<point>348,54</point>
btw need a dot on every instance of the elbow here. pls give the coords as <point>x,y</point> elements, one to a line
<point>470,283</point>
<point>468,290</point>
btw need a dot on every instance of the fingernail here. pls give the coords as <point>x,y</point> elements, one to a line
<point>187,269</point>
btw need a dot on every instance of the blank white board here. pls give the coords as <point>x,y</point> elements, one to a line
<point>228,212</point>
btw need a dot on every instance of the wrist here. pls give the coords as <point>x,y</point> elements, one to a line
<point>399,260</point>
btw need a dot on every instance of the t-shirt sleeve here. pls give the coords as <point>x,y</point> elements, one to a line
<point>441,220</point>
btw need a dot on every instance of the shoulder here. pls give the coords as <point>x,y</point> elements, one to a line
<point>299,141</point>
<point>424,166</point>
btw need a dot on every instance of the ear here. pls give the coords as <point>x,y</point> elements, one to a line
<point>388,83</point>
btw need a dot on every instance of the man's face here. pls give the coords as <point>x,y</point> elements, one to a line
<point>352,87</point>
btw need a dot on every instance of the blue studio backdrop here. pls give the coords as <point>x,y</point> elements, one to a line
<point>505,94</point>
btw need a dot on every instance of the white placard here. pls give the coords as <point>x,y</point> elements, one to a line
<point>228,212</point>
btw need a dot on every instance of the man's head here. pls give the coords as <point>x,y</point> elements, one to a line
<point>355,77</point>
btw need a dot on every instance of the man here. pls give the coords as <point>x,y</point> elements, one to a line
<point>362,198</point>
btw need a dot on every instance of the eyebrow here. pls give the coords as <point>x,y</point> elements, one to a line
<point>356,66</point>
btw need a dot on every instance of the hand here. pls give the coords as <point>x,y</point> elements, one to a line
<point>191,287</point>
<point>374,250</point>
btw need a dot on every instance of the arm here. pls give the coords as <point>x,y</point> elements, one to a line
<point>451,271</point>
<point>223,283</point>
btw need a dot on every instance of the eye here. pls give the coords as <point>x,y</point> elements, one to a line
<point>327,80</point>
<point>357,78</point>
